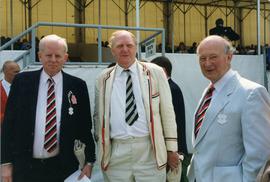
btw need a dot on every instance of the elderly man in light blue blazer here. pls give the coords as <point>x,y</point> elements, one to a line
<point>231,139</point>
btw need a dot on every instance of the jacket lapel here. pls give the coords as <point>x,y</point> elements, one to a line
<point>33,96</point>
<point>217,104</point>
<point>108,83</point>
<point>145,82</point>
<point>65,103</point>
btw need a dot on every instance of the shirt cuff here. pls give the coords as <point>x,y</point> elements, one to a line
<point>90,163</point>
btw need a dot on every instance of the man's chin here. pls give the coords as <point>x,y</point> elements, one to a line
<point>209,77</point>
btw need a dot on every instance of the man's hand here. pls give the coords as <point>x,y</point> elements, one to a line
<point>6,173</point>
<point>87,171</point>
<point>173,160</point>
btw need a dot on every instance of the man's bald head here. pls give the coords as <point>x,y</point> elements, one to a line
<point>10,69</point>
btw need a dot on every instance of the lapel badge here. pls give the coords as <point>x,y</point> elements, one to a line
<point>70,110</point>
<point>222,118</point>
<point>72,101</point>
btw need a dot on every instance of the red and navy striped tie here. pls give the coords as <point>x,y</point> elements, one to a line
<point>202,110</point>
<point>50,141</point>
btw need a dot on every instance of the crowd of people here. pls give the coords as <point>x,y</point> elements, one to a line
<point>240,50</point>
<point>24,44</point>
<point>139,120</point>
<point>21,44</point>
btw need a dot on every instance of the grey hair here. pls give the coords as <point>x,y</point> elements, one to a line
<point>54,38</point>
<point>117,33</point>
<point>229,49</point>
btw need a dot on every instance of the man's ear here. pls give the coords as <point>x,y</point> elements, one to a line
<point>229,56</point>
<point>66,57</point>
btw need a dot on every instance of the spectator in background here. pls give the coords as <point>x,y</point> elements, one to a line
<point>106,44</point>
<point>267,52</point>
<point>224,31</point>
<point>179,110</point>
<point>2,40</point>
<point>168,49</point>
<point>10,69</point>
<point>232,122</point>
<point>159,48</point>
<point>181,48</point>
<point>241,50</point>
<point>25,45</point>
<point>17,45</point>
<point>193,48</point>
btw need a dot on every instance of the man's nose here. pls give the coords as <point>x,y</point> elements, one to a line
<point>53,58</point>
<point>125,48</point>
<point>208,62</point>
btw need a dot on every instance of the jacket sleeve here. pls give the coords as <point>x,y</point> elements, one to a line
<point>167,112</point>
<point>255,129</point>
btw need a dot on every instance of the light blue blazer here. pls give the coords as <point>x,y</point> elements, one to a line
<point>234,140</point>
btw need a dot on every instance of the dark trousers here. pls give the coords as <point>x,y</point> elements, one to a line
<point>39,170</point>
<point>185,164</point>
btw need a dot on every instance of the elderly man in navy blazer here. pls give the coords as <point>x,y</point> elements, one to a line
<point>232,122</point>
<point>46,112</point>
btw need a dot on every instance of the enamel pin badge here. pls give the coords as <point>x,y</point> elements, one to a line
<point>72,101</point>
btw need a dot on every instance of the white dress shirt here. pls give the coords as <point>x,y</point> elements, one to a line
<point>221,82</point>
<point>6,86</point>
<point>119,128</point>
<point>38,148</point>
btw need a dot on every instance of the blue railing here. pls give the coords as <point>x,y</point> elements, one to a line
<point>33,28</point>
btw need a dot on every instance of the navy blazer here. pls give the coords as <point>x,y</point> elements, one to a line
<point>18,131</point>
<point>179,109</point>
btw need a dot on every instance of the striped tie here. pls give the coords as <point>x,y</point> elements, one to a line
<point>131,109</point>
<point>202,110</point>
<point>50,141</point>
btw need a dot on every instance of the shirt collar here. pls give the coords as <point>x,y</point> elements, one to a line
<point>5,83</point>
<point>56,78</point>
<point>132,68</point>
<point>221,82</point>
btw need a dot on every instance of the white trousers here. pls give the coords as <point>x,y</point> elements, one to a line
<point>133,160</point>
